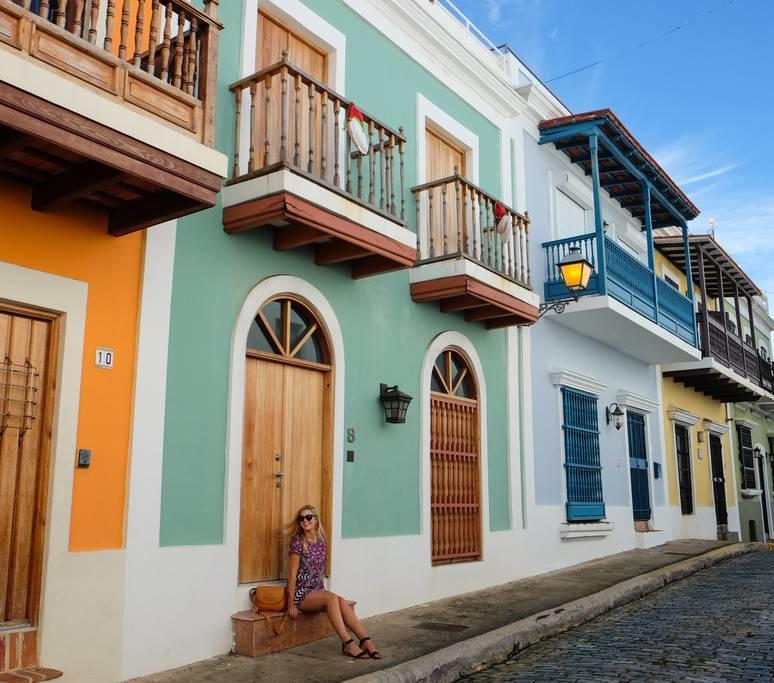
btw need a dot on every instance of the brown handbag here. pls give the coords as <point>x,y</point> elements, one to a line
<point>272,599</point>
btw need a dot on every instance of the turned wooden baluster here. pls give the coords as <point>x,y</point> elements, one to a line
<point>153,40</point>
<point>348,162</point>
<point>467,196</point>
<point>473,226</point>
<point>418,218</point>
<point>382,167</point>
<point>177,78</point>
<point>110,22</point>
<point>336,145</point>
<point>312,90</point>
<point>139,32</point>
<point>26,4</point>
<point>297,124</point>
<point>402,176</point>
<point>526,248</point>
<point>253,129</point>
<point>93,18</point>
<point>122,49</point>
<point>165,47</point>
<point>43,9</point>
<point>192,48</point>
<point>78,19</point>
<point>392,174</point>
<point>458,206</point>
<point>284,113</point>
<point>266,116</point>
<point>359,174</point>
<point>444,230</point>
<point>431,224</point>
<point>238,136</point>
<point>371,166</point>
<point>516,237</point>
<point>61,13</point>
<point>388,170</point>
<point>324,135</point>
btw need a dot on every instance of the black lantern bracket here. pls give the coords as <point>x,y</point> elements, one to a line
<point>557,306</point>
<point>395,403</point>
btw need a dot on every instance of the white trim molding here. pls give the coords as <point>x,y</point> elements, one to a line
<point>574,380</point>
<point>628,399</point>
<point>715,427</point>
<point>571,530</point>
<point>744,422</point>
<point>683,416</point>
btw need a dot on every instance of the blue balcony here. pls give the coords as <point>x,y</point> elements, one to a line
<point>627,280</point>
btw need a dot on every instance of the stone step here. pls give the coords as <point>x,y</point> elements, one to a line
<point>29,675</point>
<point>254,636</point>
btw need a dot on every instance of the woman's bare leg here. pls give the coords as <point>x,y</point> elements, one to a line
<point>353,623</point>
<point>319,601</point>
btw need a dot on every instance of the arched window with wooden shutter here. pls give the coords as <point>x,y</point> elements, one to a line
<point>455,460</point>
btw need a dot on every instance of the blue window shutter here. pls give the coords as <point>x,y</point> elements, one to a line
<point>581,457</point>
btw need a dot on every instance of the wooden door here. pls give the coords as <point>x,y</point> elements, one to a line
<point>638,466</point>
<point>26,391</point>
<point>273,39</point>
<point>718,479</point>
<point>443,156</point>
<point>455,475</point>
<point>286,441</point>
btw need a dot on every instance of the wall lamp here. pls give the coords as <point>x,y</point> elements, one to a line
<point>575,270</point>
<point>614,413</point>
<point>757,452</point>
<point>395,403</point>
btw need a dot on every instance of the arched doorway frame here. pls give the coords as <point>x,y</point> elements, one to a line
<point>265,290</point>
<point>461,343</point>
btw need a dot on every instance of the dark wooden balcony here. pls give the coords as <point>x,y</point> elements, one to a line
<point>298,172</point>
<point>66,63</point>
<point>466,263</point>
<point>731,369</point>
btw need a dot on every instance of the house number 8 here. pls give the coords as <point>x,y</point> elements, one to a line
<point>351,435</point>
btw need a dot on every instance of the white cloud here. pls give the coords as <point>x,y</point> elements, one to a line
<point>708,174</point>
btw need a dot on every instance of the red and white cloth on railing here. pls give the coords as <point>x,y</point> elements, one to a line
<point>503,222</point>
<point>357,129</point>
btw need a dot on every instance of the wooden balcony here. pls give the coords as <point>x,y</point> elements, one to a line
<point>731,371</point>
<point>111,104</point>
<point>466,263</point>
<point>298,173</point>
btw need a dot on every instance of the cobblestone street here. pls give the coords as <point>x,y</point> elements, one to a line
<point>715,626</point>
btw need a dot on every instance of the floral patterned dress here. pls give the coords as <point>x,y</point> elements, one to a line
<point>311,567</point>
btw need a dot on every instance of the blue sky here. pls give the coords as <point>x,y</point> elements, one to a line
<point>700,99</point>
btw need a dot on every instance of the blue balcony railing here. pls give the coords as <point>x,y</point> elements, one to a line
<point>626,279</point>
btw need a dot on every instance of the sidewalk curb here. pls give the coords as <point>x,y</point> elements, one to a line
<point>468,656</point>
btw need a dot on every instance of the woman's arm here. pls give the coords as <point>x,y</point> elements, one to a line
<point>292,574</point>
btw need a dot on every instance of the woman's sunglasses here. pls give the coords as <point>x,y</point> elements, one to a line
<point>308,518</point>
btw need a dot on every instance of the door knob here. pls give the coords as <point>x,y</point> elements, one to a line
<point>279,474</point>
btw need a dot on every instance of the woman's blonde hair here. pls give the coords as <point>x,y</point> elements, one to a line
<point>293,528</point>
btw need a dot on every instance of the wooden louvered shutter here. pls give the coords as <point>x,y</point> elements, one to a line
<point>683,450</point>
<point>581,457</point>
<point>746,457</point>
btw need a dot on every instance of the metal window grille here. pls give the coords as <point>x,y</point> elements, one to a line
<point>683,449</point>
<point>638,465</point>
<point>746,457</point>
<point>581,452</point>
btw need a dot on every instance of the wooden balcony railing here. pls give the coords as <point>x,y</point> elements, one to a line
<point>457,218</point>
<point>719,342</point>
<point>285,118</point>
<point>166,49</point>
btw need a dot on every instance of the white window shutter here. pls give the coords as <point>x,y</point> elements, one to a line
<point>570,216</point>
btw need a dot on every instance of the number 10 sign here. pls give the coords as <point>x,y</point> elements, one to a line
<point>105,358</point>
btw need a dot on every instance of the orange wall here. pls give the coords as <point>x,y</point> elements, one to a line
<point>74,242</point>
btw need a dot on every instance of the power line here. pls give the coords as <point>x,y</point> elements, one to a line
<point>645,43</point>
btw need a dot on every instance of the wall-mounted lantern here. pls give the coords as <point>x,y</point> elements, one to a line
<point>576,270</point>
<point>613,413</point>
<point>395,403</point>
<point>757,452</point>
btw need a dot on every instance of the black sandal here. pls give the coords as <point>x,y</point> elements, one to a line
<point>360,655</point>
<point>373,655</point>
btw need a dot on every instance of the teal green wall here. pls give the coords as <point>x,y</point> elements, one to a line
<point>385,333</point>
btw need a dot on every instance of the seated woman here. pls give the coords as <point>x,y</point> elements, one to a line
<point>308,555</point>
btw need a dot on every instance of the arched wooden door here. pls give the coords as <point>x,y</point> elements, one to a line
<point>455,464</point>
<point>286,450</point>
